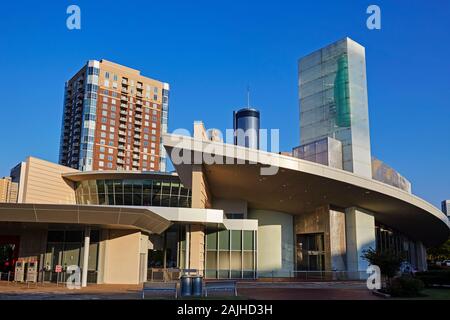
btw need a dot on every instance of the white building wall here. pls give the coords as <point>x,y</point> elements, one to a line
<point>275,242</point>
<point>360,236</point>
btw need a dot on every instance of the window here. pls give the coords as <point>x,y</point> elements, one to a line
<point>102,156</point>
<point>115,77</point>
<point>105,99</point>
<point>106,83</point>
<point>103,134</point>
<point>104,113</point>
<point>109,165</point>
<point>104,120</point>
<point>107,75</point>
<point>110,151</point>
<point>111,129</point>
<point>101,164</point>
<point>102,149</point>
<point>110,158</point>
<point>103,127</point>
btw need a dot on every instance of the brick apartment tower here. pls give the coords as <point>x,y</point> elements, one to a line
<point>113,119</point>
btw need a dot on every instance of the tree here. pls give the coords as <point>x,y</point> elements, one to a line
<point>441,252</point>
<point>388,261</point>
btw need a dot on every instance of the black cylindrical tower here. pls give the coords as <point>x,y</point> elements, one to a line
<point>246,128</point>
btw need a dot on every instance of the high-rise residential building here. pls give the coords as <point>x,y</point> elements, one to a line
<point>8,190</point>
<point>446,207</point>
<point>113,119</point>
<point>334,102</point>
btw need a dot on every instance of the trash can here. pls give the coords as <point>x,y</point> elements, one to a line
<point>186,285</point>
<point>197,285</point>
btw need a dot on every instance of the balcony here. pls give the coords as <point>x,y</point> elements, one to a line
<point>123,119</point>
<point>138,109</point>
<point>120,161</point>
<point>137,129</point>
<point>138,123</point>
<point>136,136</point>
<point>138,116</point>
<point>123,105</point>
<point>124,90</point>
<point>138,102</point>
<point>123,112</point>
<point>122,140</point>
<point>136,157</point>
<point>121,146</point>
<point>122,126</point>
<point>122,133</point>
<point>135,164</point>
<point>123,98</point>
<point>137,143</point>
<point>138,94</point>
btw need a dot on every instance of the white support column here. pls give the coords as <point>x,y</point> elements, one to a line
<point>87,238</point>
<point>360,236</point>
<point>187,246</point>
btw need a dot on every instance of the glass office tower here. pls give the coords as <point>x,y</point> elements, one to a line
<point>334,103</point>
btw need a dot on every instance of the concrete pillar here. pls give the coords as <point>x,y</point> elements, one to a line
<point>188,247</point>
<point>360,236</point>
<point>87,238</point>
<point>197,247</point>
<point>421,257</point>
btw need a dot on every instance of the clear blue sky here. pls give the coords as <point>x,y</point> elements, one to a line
<point>210,50</point>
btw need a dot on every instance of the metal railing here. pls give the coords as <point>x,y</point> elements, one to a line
<point>313,275</point>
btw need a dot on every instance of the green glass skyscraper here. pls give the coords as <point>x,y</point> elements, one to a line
<point>334,103</point>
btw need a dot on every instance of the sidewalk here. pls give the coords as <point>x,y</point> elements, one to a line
<point>247,290</point>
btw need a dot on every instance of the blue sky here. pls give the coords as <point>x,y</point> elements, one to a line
<point>210,50</point>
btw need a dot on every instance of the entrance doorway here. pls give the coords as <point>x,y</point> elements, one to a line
<point>310,252</point>
<point>9,252</point>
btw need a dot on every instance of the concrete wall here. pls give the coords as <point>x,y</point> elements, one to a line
<point>231,206</point>
<point>338,246</point>
<point>43,183</point>
<point>201,197</point>
<point>360,236</point>
<point>121,257</point>
<point>275,242</point>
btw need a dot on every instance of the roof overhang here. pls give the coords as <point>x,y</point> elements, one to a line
<point>148,219</point>
<point>122,217</point>
<point>300,186</point>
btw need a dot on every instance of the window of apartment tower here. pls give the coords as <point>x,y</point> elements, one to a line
<point>107,75</point>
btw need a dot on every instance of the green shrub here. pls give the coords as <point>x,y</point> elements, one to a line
<point>406,286</point>
<point>434,277</point>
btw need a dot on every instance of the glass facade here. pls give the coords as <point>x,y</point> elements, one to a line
<point>137,192</point>
<point>333,102</point>
<point>89,116</point>
<point>65,248</point>
<point>230,254</point>
<point>325,151</point>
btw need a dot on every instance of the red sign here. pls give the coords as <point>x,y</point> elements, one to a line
<point>58,268</point>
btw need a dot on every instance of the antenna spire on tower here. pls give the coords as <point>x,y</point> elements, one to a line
<point>248,96</point>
